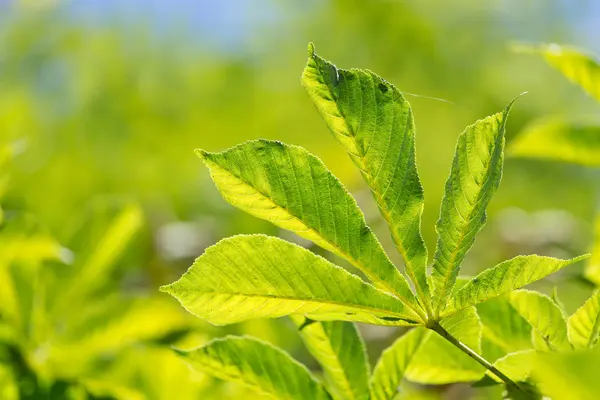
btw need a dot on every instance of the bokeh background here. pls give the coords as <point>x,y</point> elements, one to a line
<point>102,103</point>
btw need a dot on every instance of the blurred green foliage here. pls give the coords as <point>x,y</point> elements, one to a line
<point>98,123</point>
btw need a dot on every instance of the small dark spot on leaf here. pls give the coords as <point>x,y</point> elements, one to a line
<point>383,87</point>
<point>306,323</point>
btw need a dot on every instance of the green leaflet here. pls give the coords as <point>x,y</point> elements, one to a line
<point>556,139</point>
<point>545,317</point>
<point>258,365</point>
<point>340,351</point>
<point>474,177</point>
<point>102,241</point>
<point>503,326</point>
<point>568,375</point>
<point>438,362</point>
<point>579,67</point>
<point>504,278</point>
<point>255,276</point>
<point>592,269</point>
<point>392,364</point>
<point>516,365</point>
<point>293,189</point>
<point>109,326</point>
<point>374,123</point>
<point>584,325</point>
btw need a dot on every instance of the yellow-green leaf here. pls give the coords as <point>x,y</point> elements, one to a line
<point>559,140</point>
<point>392,364</point>
<point>340,351</point>
<point>256,276</point>
<point>438,362</point>
<point>517,366</point>
<point>575,64</point>
<point>257,365</point>
<point>544,316</point>
<point>584,325</point>
<point>592,269</point>
<point>474,177</point>
<point>293,189</point>
<point>504,278</point>
<point>375,125</point>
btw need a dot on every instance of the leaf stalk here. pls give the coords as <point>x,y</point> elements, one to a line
<point>436,327</point>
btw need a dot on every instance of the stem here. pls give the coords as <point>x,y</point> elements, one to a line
<point>436,327</point>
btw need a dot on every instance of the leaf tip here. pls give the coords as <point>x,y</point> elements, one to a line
<point>180,352</point>
<point>311,49</point>
<point>203,154</point>
<point>579,258</point>
<point>166,289</point>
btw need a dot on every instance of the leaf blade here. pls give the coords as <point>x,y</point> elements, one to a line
<point>392,364</point>
<point>439,362</point>
<point>544,316</point>
<point>576,65</point>
<point>341,352</point>
<point>256,276</point>
<point>505,277</point>
<point>293,189</point>
<point>559,140</point>
<point>583,327</point>
<point>257,365</point>
<point>592,269</point>
<point>375,125</point>
<point>468,190</point>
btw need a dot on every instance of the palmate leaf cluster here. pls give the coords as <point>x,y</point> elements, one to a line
<point>256,276</point>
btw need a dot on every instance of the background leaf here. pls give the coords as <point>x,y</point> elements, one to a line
<point>375,125</point>
<point>258,365</point>
<point>339,349</point>
<point>254,276</point>
<point>559,140</point>
<point>575,64</point>
<point>592,269</point>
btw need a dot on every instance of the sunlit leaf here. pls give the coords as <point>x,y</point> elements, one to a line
<point>438,362</point>
<point>254,276</point>
<point>592,270</point>
<point>503,327</point>
<point>293,189</point>
<point>392,364</point>
<point>474,177</point>
<point>96,264</point>
<point>340,351</point>
<point>375,125</point>
<point>559,140</point>
<point>568,375</point>
<point>517,366</point>
<point>257,365</point>
<point>115,324</point>
<point>575,64</point>
<point>504,278</point>
<point>584,325</point>
<point>545,317</point>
